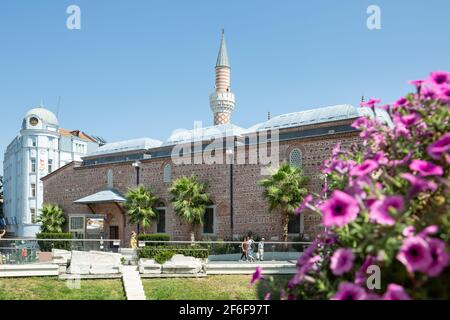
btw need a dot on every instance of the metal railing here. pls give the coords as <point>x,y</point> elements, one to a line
<point>26,250</point>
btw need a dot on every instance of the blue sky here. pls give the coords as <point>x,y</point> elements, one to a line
<point>145,68</point>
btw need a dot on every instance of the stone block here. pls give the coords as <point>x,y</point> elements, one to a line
<point>147,266</point>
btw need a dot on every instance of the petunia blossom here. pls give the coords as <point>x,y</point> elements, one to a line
<point>439,77</point>
<point>365,168</point>
<point>342,261</point>
<point>339,210</point>
<point>415,254</point>
<point>395,292</point>
<point>256,275</point>
<point>418,184</point>
<point>425,168</point>
<point>439,257</point>
<point>439,148</point>
<point>380,210</point>
<point>349,291</point>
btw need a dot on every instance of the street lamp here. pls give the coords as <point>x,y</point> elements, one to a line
<point>137,166</point>
<point>230,156</point>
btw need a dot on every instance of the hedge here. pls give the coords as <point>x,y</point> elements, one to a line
<point>47,246</point>
<point>163,253</point>
<point>153,237</point>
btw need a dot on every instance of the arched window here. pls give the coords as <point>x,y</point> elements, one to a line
<point>295,158</point>
<point>167,173</point>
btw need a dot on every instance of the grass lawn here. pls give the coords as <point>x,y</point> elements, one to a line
<point>50,288</point>
<point>223,287</point>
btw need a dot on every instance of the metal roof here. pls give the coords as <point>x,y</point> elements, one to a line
<point>126,146</point>
<point>105,196</point>
<point>204,134</point>
<point>313,116</point>
<point>222,58</point>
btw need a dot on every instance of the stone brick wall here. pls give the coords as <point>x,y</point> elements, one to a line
<point>251,211</point>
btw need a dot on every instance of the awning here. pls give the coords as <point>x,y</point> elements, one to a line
<point>105,196</point>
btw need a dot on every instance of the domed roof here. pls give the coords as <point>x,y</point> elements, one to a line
<point>45,115</point>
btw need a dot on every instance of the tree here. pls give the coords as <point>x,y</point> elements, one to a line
<point>284,190</point>
<point>140,206</point>
<point>52,218</point>
<point>189,200</point>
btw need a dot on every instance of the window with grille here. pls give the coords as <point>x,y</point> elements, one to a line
<point>294,224</point>
<point>208,221</point>
<point>76,227</point>
<point>295,158</point>
<point>167,173</point>
<point>161,222</point>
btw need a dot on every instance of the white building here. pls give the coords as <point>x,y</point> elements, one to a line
<point>40,148</point>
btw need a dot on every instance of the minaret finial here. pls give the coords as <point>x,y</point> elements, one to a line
<point>222,101</point>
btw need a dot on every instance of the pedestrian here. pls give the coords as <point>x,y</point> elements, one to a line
<point>250,249</point>
<point>244,247</point>
<point>261,250</point>
<point>133,240</point>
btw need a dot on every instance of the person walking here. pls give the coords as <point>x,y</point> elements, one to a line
<point>261,250</point>
<point>244,246</point>
<point>250,242</point>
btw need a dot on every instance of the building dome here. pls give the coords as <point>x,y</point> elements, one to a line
<point>45,115</point>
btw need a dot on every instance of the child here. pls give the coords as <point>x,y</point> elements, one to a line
<point>261,250</point>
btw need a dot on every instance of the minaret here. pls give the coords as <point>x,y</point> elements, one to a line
<point>222,100</point>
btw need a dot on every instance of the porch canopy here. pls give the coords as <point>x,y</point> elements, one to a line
<point>105,196</point>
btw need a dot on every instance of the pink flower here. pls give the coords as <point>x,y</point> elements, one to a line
<point>349,291</point>
<point>418,185</point>
<point>256,275</point>
<point>415,254</point>
<point>401,102</point>
<point>267,296</point>
<point>381,209</point>
<point>342,261</point>
<point>428,231</point>
<point>408,231</point>
<point>416,83</point>
<point>304,204</point>
<point>381,158</point>
<point>371,103</point>
<point>439,148</point>
<point>395,292</point>
<point>361,275</point>
<point>409,119</point>
<point>339,210</point>
<point>439,257</point>
<point>425,168</point>
<point>445,95</point>
<point>365,168</point>
<point>439,77</point>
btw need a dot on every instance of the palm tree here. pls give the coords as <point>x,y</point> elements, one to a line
<point>284,190</point>
<point>52,218</point>
<point>189,200</point>
<point>140,206</point>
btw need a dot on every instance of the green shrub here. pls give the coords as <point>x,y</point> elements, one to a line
<point>163,256</point>
<point>47,246</point>
<point>153,237</point>
<point>160,252</point>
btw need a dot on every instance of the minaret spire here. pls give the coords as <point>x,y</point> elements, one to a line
<point>222,101</point>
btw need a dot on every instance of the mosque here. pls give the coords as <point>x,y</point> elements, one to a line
<point>90,190</point>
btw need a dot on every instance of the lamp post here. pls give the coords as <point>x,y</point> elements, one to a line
<point>137,166</point>
<point>230,157</point>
